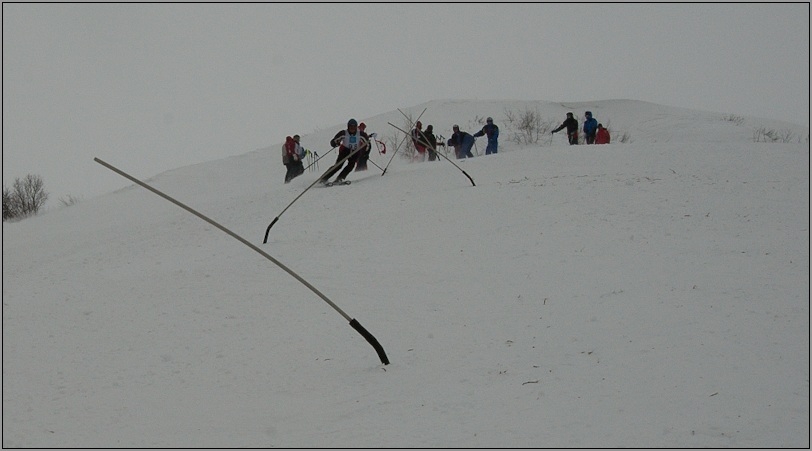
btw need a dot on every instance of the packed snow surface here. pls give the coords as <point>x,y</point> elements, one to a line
<point>651,293</point>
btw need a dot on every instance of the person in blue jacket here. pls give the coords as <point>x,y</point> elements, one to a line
<point>493,135</point>
<point>590,127</point>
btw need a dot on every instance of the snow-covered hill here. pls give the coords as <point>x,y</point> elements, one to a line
<point>647,294</point>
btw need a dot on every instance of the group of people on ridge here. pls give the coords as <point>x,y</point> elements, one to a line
<point>354,145</point>
<point>462,142</point>
<point>425,143</point>
<point>594,132</point>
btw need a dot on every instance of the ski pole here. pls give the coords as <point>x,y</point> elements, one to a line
<point>319,158</point>
<point>435,151</point>
<point>372,137</point>
<point>376,164</point>
<point>377,146</point>
<point>401,141</point>
<point>355,325</point>
<point>445,147</point>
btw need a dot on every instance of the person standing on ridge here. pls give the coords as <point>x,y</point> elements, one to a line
<point>350,143</point>
<point>462,143</point>
<point>572,128</point>
<point>292,159</point>
<point>590,127</point>
<point>419,141</point>
<point>602,136</point>
<point>431,140</point>
<point>493,136</point>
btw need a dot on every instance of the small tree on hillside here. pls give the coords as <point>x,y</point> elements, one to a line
<point>25,198</point>
<point>527,127</point>
<point>9,206</point>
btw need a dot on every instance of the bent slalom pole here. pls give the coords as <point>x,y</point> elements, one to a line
<point>402,140</point>
<point>355,324</point>
<point>337,165</point>
<point>435,151</point>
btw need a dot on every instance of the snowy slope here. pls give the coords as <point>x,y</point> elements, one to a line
<point>647,294</point>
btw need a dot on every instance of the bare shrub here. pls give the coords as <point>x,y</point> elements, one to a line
<point>527,127</point>
<point>624,138</point>
<point>69,200</point>
<point>25,198</point>
<point>10,209</point>
<point>770,135</point>
<point>785,135</point>
<point>407,149</point>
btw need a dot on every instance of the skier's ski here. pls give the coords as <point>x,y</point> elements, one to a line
<point>343,182</point>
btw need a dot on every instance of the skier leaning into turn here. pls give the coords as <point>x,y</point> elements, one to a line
<point>349,142</point>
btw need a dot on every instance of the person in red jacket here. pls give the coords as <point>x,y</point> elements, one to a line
<point>292,159</point>
<point>602,135</point>
<point>419,141</point>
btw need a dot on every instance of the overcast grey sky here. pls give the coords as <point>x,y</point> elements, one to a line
<point>151,87</point>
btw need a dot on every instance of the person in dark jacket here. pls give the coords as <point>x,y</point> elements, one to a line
<point>590,127</point>
<point>493,136</point>
<point>462,143</point>
<point>350,142</point>
<point>572,128</point>
<point>363,155</point>
<point>431,140</point>
<point>602,135</point>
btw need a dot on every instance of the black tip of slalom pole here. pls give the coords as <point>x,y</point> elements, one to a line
<point>371,339</point>
<point>466,174</point>
<point>268,230</point>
